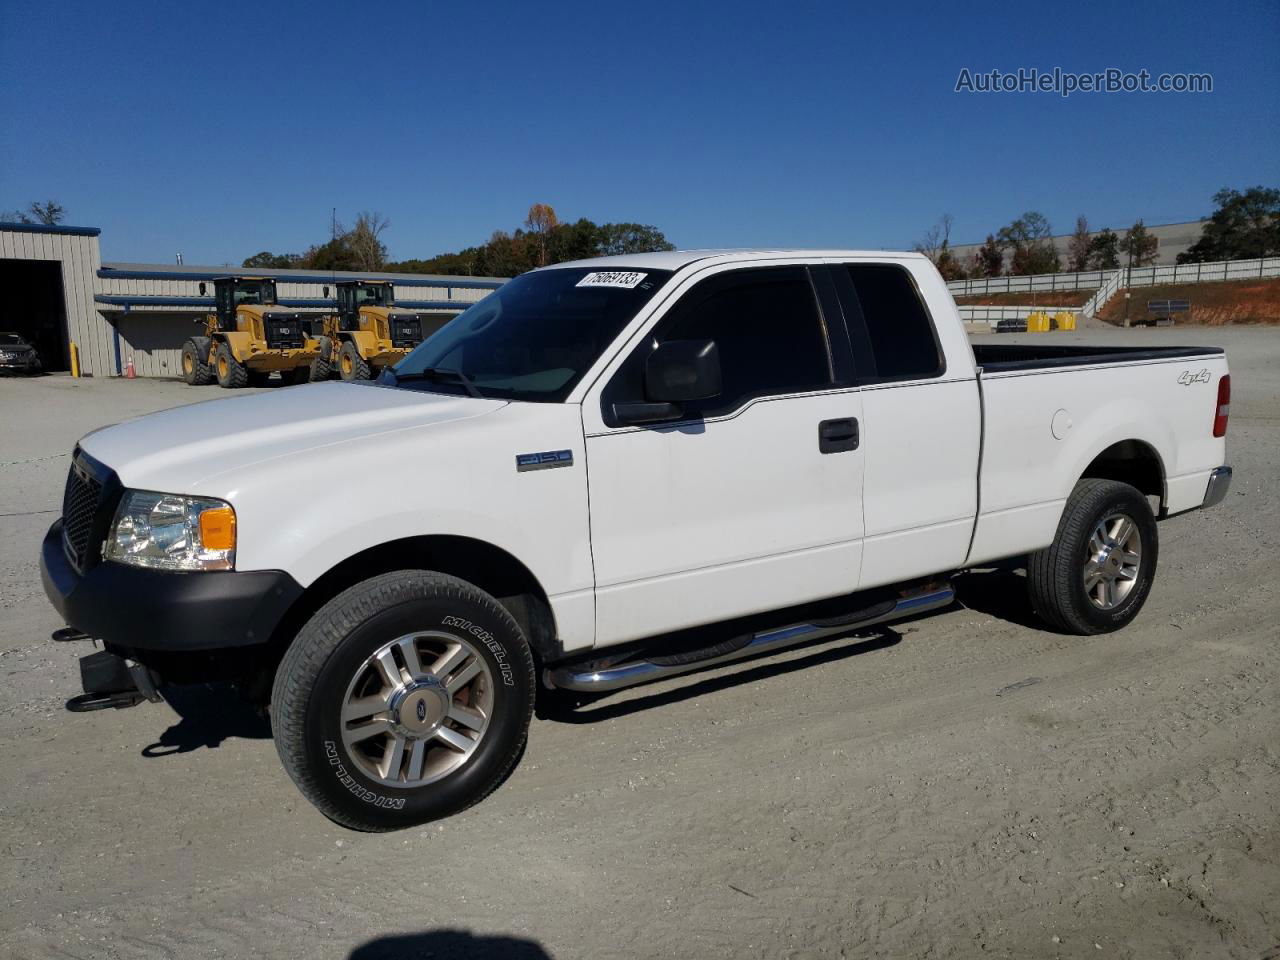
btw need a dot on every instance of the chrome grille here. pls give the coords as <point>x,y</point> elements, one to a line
<point>79,509</point>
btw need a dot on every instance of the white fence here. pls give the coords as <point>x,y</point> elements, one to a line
<point>994,315</point>
<point>1139,277</point>
<point>1090,280</point>
<point>1105,293</point>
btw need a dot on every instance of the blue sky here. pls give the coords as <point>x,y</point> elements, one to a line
<point>221,129</point>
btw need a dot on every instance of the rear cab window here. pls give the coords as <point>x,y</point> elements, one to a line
<point>892,335</point>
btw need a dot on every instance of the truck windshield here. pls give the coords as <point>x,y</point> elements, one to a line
<point>532,338</point>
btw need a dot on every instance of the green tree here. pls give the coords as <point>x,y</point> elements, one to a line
<point>49,213</point>
<point>548,240</point>
<point>334,255</point>
<point>619,239</point>
<point>1244,226</point>
<point>1079,247</point>
<point>267,259</point>
<point>1139,246</point>
<point>949,265</point>
<point>1030,237</point>
<point>988,261</point>
<point>579,240</point>
<point>1104,250</point>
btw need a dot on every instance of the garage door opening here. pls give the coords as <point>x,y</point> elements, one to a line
<point>35,307</point>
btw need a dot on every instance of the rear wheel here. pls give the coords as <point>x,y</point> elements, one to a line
<point>195,362</point>
<point>231,372</point>
<point>352,366</point>
<point>1097,574</point>
<point>404,699</point>
<point>322,366</point>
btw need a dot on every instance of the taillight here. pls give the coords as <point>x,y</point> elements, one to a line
<point>1224,407</point>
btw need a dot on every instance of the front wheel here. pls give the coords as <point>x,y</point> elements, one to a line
<point>351,365</point>
<point>404,699</point>
<point>232,374</point>
<point>1096,575</point>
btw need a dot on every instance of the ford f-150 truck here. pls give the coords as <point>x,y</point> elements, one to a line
<point>609,472</point>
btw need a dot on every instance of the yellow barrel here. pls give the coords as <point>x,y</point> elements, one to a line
<point>1064,320</point>
<point>1038,322</point>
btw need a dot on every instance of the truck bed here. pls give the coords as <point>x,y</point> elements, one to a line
<point>999,357</point>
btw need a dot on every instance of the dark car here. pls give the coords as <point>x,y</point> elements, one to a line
<point>17,355</point>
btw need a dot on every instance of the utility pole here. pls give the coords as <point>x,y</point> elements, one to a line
<point>333,224</point>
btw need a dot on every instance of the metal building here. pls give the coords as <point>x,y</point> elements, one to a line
<point>49,277</point>
<point>58,292</point>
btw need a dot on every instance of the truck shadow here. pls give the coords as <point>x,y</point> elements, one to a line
<point>452,944</point>
<point>563,706</point>
<point>999,591</point>
<point>207,715</point>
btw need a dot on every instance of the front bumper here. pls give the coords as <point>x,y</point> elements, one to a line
<point>1219,484</point>
<point>162,610</point>
<point>22,364</point>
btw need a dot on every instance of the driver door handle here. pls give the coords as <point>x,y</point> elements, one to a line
<point>837,436</point>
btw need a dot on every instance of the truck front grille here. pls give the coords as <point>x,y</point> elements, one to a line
<point>80,503</point>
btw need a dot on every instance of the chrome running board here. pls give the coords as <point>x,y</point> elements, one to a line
<point>604,679</point>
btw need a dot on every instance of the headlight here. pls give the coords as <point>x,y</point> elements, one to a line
<point>169,532</point>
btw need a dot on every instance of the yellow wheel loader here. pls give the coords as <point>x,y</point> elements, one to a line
<point>368,333</point>
<point>246,339</point>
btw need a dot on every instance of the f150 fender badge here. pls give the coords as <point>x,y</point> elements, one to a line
<point>1188,378</point>
<point>543,461</point>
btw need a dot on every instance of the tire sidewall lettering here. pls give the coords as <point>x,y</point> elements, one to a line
<point>491,643</point>
<point>360,792</point>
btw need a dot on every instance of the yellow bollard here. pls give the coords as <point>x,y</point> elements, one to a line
<point>1064,320</point>
<point>1038,322</point>
<point>75,359</point>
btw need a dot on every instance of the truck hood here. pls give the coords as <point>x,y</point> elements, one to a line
<point>174,450</point>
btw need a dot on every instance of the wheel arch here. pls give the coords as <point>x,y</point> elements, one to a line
<point>478,562</point>
<point>1132,461</point>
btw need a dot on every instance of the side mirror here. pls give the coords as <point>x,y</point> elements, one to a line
<point>326,292</point>
<point>202,288</point>
<point>682,370</point>
<point>677,372</point>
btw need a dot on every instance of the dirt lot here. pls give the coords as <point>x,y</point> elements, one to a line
<point>961,786</point>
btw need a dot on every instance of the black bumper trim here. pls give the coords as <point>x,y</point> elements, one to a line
<point>162,610</point>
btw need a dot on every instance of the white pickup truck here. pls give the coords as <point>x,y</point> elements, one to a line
<point>605,473</point>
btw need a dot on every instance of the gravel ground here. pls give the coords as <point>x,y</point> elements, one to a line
<point>964,785</point>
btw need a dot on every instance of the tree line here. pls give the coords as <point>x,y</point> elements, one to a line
<point>49,213</point>
<point>1244,225</point>
<point>542,239</point>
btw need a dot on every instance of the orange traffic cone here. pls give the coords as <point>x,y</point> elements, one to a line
<point>129,373</point>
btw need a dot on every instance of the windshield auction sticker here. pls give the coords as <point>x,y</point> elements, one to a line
<point>626,279</point>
